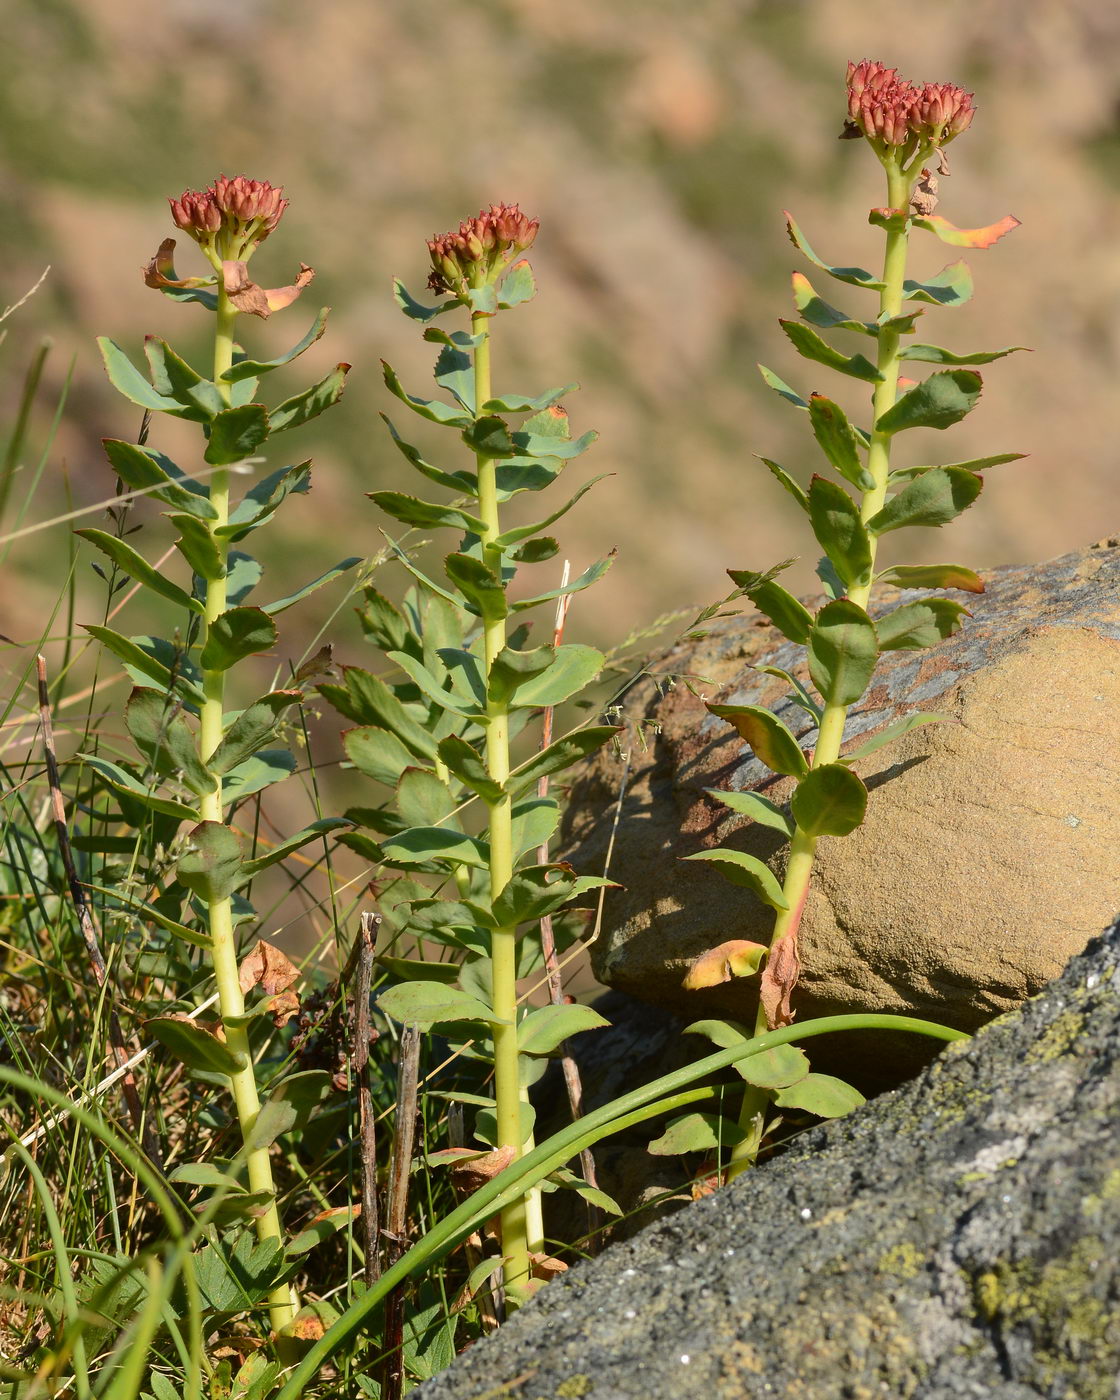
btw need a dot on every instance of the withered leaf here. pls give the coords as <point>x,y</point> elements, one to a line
<point>267,967</point>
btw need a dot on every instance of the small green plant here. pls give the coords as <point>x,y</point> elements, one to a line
<point>200,760</point>
<point>442,731</point>
<point>906,126</point>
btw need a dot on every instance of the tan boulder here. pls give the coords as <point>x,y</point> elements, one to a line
<point>989,852</point>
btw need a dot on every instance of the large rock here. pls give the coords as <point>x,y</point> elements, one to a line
<point>988,856</point>
<point>957,1238</point>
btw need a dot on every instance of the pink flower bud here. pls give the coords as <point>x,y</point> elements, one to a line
<point>483,244</point>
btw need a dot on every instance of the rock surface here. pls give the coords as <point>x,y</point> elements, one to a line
<point>988,855</point>
<point>957,1238</point>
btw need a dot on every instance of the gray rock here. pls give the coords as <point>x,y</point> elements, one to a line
<point>958,1237</point>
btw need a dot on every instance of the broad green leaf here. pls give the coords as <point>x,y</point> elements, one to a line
<point>842,652</point>
<point>460,482</point>
<point>534,821</point>
<point>454,371</point>
<point>783,477</point>
<point>533,444</point>
<point>427,1004</point>
<point>251,730</point>
<point>127,379</point>
<point>167,741</point>
<point>585,580</point>
<point>838,441</point>
<point>199,398</point>
<point>932,576</point>
<point>426,843</point>
<point>790,616</point>
<point>284,848</point>
<point>748,871</point>
<point>478,584</point>
<point>250,369</point>
<point>212,864</point>
<point>512,668</point>
<point>149,913</point>
<point>938,402</point>
<point>820,1094</point>
<point>854,275</point>
<point>559,755</point>
<point>781,388</point>
<point>264,768</point>
<point>800,694</point>
<point>922,624</point>
<point>141,663</point>
<point>951,287</point>
<point>772,1069</point>
<point>238,1271</point>
<point>413,309</point>
<point>831,581</point>
<point>194,1045</point>
<point>811,346</point>
<point>977,464</point>
<point>894,731</point>
<point>575,666</point>
<point>236,433</point>
<point>518,403</point>
<point>518,285</point>
<point>383,622</point>
<point>207,1174</point>
<point>263,499</point>
<point>301,408</point>
<point>771,741</point>
<point>423,514</point>
<point>235,634</point>
<point>197,546</point>
<point>830,801</point>
<point>536,551</point>
<point>368,700</point>
<point>124,781</point>
<point>537,890</point>
<point>441,694</point>
<point>570,1182</point>
<point>143,468</point>
<point>936,355</point>
<point>423,800</point>
<point>839,530</point>
<point>302,1093</point>
<point>464,761</point>
<point>377,753</point>
<point>418,970</point>
<point>696,1132</point>
<point>545,1029</point>
<point>335,571</point>
<point>129,562</point>
<point>752,804</point>
<point>512,537</point>
<point>490,437</point>
<point>819,313</point>
<point>965,237</point>
<point>465,670</point>
<point>935,498</point>
<point>242,576</point>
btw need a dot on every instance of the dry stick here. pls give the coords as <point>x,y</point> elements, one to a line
<point>408,1077</point>
<point>367,1120</point>
<point>572,1082</point>
<point>86,923</point>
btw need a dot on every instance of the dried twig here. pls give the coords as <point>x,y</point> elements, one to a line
<point>408,1084</point>
<point>367,938</point>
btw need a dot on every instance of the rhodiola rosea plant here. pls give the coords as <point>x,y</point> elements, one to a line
<point>908,127</point>
<point>203,749</point>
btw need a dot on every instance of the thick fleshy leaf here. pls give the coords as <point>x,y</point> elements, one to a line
<point>536,551</point>
<point>820,1094</point>
<point>465,671</point>
<point>752,804</point>
<point>857,276</point>
<point>892,732</point>
<point>425,515</point>
<point>212,865</point>
<point>145,469</point>
<point>194,1045</point>
<point>976,464</point>
<point>932,576</point>
<point>840,531</point>
<point>413,309</point>
<point>335,571</point>
<point>425,843</point>
<point>250,369</point>
<point>512,668</point>
<point>162,734</point>
<point>320,1229</point>
<point>199,398</point>
<point>281,851</point>
<point>696,1132</point>
<point>842,652</point>
<point>490,437</point>
<point>127,380</point>
<point>811,346</point>
<point>940,401</point>
<point>838,441</point>
<point>559,755</point>
<point>518,285</point>
<point>423,799</point>
<point>522,532</point>
<point>585,580</point>
<point>543,1031</point>
<point>917,625</point>
<point>771,1069</point>
<point>377,753</point>
<point>465,762</point>
<point>143,665</point>
<point>771,741</point>
<point>934,498</point>
<point>819,313</point>
<point>252,729</point>
<point>198,546</point>
<point>537,890</point>
<point>135,566</point>
<point>125,782</point>
<point>427,1004</point>
<point>366,699</point>
<point>781,388</point>
<point>301,408</point>
<point>461,482</point>
<point>236,433</point>
<point>748,871</point>
<point>951,287</point>
<point>480,585</point>
<point>235,634</point>
<point>831,801</point>
<point>799,693</point>
<point>965,237</point>
<point>574,667</point>
<point>518,403</point>
<point>738,957</point>
<point>936,355</point>
<point>454,371</point>
<point>417,970</point>
<point>433,686</point>
<point>534,821</point>
<point>790,616</point>
<point>781,475</point>
<point>264,498</point>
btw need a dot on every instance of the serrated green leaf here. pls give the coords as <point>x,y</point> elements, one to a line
<point>585,580</point>
<point>574,667</point>
<point>829,801</point>
<point>413,309</point>
<point>431,685</point>
<point>479,585</point>
<point>840,531</point>
<point>462,482</point>
<point>771,1069</point>
<point>419,970</point>
<point>771,741</point>
<point>194,1045</point>
<point>489,436</point>
<point>781,388</point>
<point>842,652</point>
<point>161,733</point>
<point>426,843</point>
<point>799,694</point>
<point>377,753</point>
<point>129,562</point>
<point>519,403</point>
<point>783,477</point>
<point>212,863</point>
<point>368,700</point>
<point>427,1004</point>
<point>423,800</point>
<point>251,730</point>
<point>237,1272</point>
<point>752,804</point>
<point>263,499</point>
<point>936,355</point>
<point>819,313</point>
<point>938,402</point>
<point>197,546</point>
<point>932,576</point>
<point>537,890</point>
<point>335,571</point>
<point>533,823</point>
<point>933,499</point>
<point>787,613</point>
<point>302,1093</point>
<point>454,371</point>
<point>284,848</point>
<point>696,1132</point>
<point>124,781</point>
<point>236,433</point>
<point>199,398</point>
<point>811,346</point>
<point>235,634</point>
<point>559,755</point>
<point>742,869</point>
<point>820,1094</point>
<point>465,670</point>
<point>250,369</point>
<point>545,1029</point>
<point>518,286</point>
<point>977,464</point>
<point>534,444</point>
<point>892,732</point>
<point>965,237</point>
<point>127,380</point>
<point>149,913</point>
<point>425,515</point>
<point>511,537</point>
<point>917,625</point>
<point>143,468</point>
<point>838,441</point>
<point>264,768</point>
<point>536,551</point>
<point>464,762</point>
<point>324,1225</point>
<point>856,276</point>
<point>951,287</point>
<point>301,408</point>
<point>142,665</point>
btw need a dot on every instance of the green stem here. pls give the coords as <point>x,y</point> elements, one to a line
<point>830,734</point>
<point>516,1229</point>
<point>282,1304</point>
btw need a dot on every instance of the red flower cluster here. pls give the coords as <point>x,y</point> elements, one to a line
<point>884,107</point>
<point>247,210</point>
<point>480,245</point>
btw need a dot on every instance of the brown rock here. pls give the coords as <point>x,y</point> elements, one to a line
<point>988,856</point>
